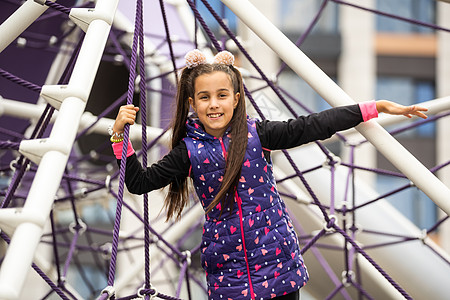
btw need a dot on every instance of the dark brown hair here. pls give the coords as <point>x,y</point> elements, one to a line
<point>178,195</point>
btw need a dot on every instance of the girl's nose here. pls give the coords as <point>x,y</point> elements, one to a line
<point>214,103</point>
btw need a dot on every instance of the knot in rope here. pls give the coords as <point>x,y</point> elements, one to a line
<point>78,227</point>
<point>187,257</point>
<point>106,249</point>
<point>348,277</point>
<point>152,292</point>
<point>329,227</point>
<point>332,161</point>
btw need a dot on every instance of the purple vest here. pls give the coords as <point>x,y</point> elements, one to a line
<point>256,256</point>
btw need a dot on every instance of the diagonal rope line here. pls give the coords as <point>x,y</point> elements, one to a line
<point>169,40</point>
<point>143,100</point>
<point>131,83</point>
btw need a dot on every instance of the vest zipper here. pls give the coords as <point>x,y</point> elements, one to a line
<point>223,148</point>
<point>239,202</point>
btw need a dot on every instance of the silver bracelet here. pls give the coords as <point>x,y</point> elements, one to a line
<point>113,134</point>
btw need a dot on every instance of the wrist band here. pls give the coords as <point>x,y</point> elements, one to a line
<point>368,110</point>
<point>117,149</point>
<point>115,137</point>
<point>116,140</point>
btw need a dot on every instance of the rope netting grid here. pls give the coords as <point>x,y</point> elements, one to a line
<point>329,221</point>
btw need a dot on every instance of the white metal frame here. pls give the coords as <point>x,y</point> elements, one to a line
<point>54,151</point>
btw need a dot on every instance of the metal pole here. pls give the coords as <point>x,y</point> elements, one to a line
<point>46,183</point>
<point>335,96</point>
<point>24,110</point>
<point>19,21</point>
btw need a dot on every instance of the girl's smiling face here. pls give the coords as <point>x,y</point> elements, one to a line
<point>214,101</point>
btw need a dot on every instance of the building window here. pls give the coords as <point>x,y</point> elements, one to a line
<point>420,10</point>
<point>222,10</point>
<point>420,141</point>
<point>297,15</point>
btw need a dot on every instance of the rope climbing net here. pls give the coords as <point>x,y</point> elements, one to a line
<point>91,196</point>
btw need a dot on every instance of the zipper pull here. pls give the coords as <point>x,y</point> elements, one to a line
<point>238,199</point>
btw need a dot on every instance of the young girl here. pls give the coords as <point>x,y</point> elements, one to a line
<point>249,247</point>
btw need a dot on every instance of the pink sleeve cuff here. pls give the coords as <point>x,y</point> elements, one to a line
<point>117,149</point>
<point>368,110</point>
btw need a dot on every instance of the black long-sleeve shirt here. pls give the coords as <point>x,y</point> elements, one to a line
<point>274,135</point>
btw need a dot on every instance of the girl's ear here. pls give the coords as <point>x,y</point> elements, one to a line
<point>191,102</point>
<point>237,96</point>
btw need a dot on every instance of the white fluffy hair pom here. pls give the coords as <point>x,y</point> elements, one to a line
<point>224,57</point>
<point>194,58</point>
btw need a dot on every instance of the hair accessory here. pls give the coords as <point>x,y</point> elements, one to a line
<point>224,57</point>
<point>194,58</point>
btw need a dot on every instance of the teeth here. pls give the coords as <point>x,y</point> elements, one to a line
<point>214,115</point>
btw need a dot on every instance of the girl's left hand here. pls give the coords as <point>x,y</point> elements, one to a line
<point>393,108</point>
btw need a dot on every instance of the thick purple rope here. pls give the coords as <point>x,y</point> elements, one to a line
<point>20,81</point>
<point>119,48</point>
<point>173,249</point>
<point>169,40</point>
<point>9,145</point>
<point>123,161</point>
<point>70,254</point>
<point>363,253</point>
<point>335,291</point>
<point>11,133</point>
<point>374,170</point>
<point>312,241</point>
<point>143,100</point>
<point>181,278</point>
<point>114,105</point>
<point>318,255</point>
<point>58,7</point>
<point>356,207</point>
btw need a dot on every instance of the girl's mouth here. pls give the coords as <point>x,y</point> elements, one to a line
<point>214,116</point>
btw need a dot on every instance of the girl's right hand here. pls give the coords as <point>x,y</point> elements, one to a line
<point>126,115</point>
